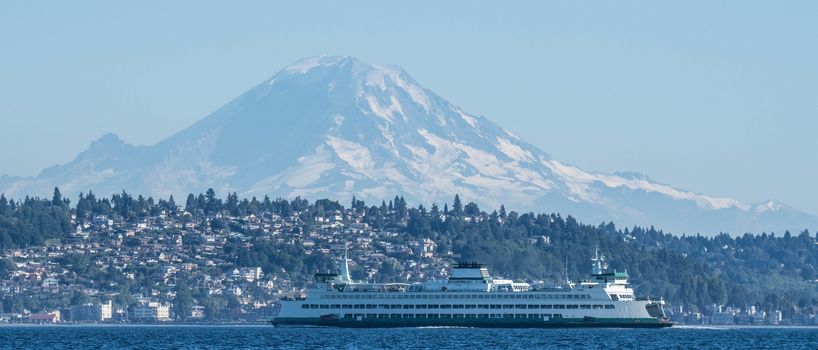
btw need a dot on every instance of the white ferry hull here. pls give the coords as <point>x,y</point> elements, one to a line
<point>475,323</point>
<point>471,298</point>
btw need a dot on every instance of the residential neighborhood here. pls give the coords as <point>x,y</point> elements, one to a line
<point>136,260</point>
<point>151,255</point>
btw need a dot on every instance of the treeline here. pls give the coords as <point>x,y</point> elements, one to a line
<point>32,221</point>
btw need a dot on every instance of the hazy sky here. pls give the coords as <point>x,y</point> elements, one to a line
<point>715,97</point>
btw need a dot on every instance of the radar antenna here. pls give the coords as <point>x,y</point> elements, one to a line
<point>345,277</point>
<point>567,279</point>
<point>599,264</point>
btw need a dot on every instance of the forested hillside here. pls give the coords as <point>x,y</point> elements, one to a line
<point>767,269</point>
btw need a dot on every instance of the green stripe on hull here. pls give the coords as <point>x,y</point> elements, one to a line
<point>481,323</point>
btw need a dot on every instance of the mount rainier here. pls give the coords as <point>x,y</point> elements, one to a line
<point>336,127</point>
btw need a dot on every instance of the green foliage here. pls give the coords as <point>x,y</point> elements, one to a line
<point>33,220</point>
<point>777,271</point>
<point>183,301</point>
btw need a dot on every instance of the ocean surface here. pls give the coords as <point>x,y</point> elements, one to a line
<point>250,337</point>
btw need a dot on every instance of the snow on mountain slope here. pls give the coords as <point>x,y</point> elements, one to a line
<point>333,126</point>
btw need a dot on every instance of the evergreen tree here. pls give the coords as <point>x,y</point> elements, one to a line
<point>457,206</point>
<point>212,204</point>
<point>232,204</point>
<point>171,206</point>
<point>435,211</point>
<point>191,204</point>
<point>56,200</point>
<point>183,301</point>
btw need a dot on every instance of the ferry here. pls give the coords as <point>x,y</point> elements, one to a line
<point>470,297</point>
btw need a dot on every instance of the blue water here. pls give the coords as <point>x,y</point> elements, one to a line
<point>231,337</point>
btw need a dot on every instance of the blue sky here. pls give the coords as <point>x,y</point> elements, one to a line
<point>716,97</point>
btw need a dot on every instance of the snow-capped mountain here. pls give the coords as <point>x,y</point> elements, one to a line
<point>337,127</point>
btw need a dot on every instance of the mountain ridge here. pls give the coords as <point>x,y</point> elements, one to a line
<point>334,126</point>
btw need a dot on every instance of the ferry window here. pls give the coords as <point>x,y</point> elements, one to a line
<point>585,306</point>
<point>383,316</point>
<point>347,306</point>
<point>458,315</point>
<point>371,315</point>
<point>395,307</point>
<point>545,306</point>
<point>335,306</point>
<point>305,306</point>
<point>408,306</point>
<point>420,306</point>
<point>457,306</point>
<point>538,296</point>
<point>420,316</point>
<point>433,306</point>
<point>483,306</point>
<point>394,316</point>
<point>407,316</point>
<point>597,306</point>
<point>324,306</point>
<point>445,306</point>
<point>371,306</point>
<point>482,316</point>
<point>559,306</point>
<point>494,297</point>
<point>533,306</point>
<point>313,306</point>
<point>359,306</point>
<point>520,306</point>
<point>574,307</point>
<point>508,316</point>
<point>471,306</point>
<point>609,306</point>
<point>508,306</point>
<point>569,296</point>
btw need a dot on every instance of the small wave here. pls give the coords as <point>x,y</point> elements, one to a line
<point>691,326</point>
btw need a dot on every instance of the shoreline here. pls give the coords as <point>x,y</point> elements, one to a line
<point>265,324</point>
